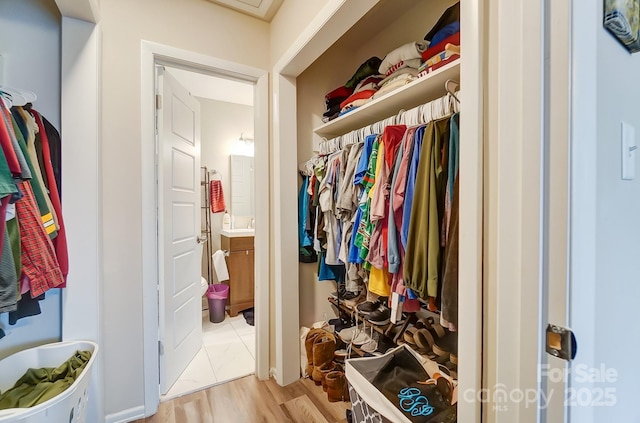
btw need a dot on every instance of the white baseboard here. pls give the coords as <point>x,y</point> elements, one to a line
<point>124,416</point>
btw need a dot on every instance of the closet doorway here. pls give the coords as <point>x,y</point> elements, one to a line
<point>215,109</point>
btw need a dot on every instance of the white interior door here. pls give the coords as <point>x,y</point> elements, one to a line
<point>179,227</point>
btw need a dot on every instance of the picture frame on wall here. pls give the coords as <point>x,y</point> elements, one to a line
<point>622,20</point>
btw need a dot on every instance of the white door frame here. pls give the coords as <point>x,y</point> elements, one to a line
<point>582,280</point>
<point>329,25</point>
<point>152,53</point>
<point>514,201</point>
<point>80,127</point>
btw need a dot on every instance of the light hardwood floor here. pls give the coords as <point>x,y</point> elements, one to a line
<point>249,400</point>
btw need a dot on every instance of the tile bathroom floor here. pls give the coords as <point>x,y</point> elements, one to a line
<point>227,353</point>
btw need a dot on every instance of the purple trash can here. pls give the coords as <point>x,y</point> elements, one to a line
<point>217,295</point>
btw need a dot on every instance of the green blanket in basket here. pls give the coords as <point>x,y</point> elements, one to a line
<point>39,385</point>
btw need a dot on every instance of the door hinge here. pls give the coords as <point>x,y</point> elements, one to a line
<point>158,101</point>
<point>160,348</point>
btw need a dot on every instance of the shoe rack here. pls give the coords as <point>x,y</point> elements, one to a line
<point>393,332</point>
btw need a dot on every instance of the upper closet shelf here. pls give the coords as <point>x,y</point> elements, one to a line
<point>418,92</point>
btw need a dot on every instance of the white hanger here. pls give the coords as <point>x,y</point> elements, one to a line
<point>6,100</point>
<point>423,114</point>
<point>17,96</point>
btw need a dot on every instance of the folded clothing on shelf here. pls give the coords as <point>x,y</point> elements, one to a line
<point>369,83</point>
<point>453,39</point>
<point>332,111</point>
<point>446,32</point>
<point>404,71</point>
<point>397,80</point>
<point>442,56</point>
<point>368,68</point>
<point>409,51</point>
<point>361,85</point>
<point>332,102</point>
<point>340,92</point>
<point>411,63</point>
<point>354,105</point>
<point>451,15</point>
<point>361,95</point>
<point>335,102</point>
<point>438,65</point>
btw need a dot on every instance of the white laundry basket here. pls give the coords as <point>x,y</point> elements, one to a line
<point>68,407</point>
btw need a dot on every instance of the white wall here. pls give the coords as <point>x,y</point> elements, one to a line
<point>27,26</point>
<point>618,229</point>
<point>222,124</point>
<point>290,21</point>
<point>193,25</point>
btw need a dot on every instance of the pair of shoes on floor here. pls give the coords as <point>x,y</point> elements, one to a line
<point>340,324</point>
<point>343,294</point>
<point>367,307</point>
<point>352,303</point>
<point>320,346</point>
<point>376,312</point>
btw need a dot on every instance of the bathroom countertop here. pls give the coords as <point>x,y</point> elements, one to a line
<point>238,232</point>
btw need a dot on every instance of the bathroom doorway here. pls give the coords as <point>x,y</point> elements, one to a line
<point>153,55</point>
<point>226,207</point>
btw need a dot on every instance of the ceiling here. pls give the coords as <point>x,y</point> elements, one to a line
<point>261,9</point>
<point>214,88</point>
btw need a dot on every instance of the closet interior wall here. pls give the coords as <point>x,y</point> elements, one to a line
<point>30,45</point>
<point>387,26</point>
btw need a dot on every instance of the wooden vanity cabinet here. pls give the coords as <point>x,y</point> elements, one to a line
<point>240,263</point>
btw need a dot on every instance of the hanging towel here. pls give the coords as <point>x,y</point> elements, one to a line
<point>220,266</point>
<point>217,197</point>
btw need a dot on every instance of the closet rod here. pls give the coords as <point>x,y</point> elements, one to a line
<point>422,114</point>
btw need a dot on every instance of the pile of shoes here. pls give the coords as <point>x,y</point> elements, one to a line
<point>321,346</point>
<point>429,338</point>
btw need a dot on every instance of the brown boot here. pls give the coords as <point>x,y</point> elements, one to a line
<point>324,370</point>
<point>308,346</point>
<point>323,349</point>
<point>336,386</point>
<point>345,393</point>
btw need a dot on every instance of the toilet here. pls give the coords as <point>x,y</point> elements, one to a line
<point>203,285</point>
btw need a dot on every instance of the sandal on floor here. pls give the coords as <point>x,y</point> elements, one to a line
<point>447,345</point>
<point>434,327</point>
<point>408,336</point>
<point>424,340</point>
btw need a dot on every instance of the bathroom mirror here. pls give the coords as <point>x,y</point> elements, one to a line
<point>242,186</point>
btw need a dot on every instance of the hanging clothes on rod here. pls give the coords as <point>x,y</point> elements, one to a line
<point>383,201</point>
<point>33,241</point>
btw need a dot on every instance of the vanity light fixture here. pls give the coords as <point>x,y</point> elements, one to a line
<point>243,146</point>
